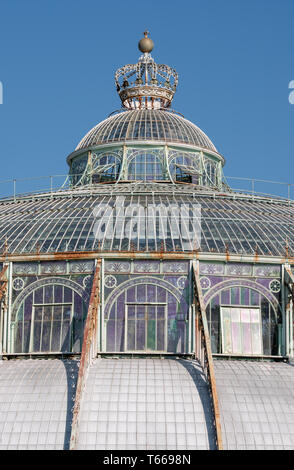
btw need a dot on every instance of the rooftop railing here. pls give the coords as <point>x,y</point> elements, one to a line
<point>17,187</point>
<point>261,187</point>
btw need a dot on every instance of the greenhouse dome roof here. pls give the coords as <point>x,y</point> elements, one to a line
<point>65,221</point>
<point>146,125</point>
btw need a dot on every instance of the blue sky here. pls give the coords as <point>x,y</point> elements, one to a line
<point>235,59</point>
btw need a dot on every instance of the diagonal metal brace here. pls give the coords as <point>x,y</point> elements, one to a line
<point>203,350</point>
<point>89,352</point>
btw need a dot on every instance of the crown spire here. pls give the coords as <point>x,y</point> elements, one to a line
<point>146,84</point>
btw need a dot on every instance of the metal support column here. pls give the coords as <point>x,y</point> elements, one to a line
<point>3,304</point>
<point>288,278</point>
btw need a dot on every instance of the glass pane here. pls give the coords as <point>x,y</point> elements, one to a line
<point>140,312</point>
<point>236,331</point>
<point>46,336</point>
<point>255,331</point>
<point>48,295</point>
<point>120,335</point>
<point>18,338</point>
<point>131,335</point>
<point>131,312</point>
<point>38,313</point>
<point>246,335</point>
<point>141,293</point>
<point>57,294</point>
<point>39,296</point>
<point>150,312</point>
<point>141,333</point>
<point>57,312</point>
<point>67,294</point>
<point>160,312</point>
<point>161,335</point>
<point>241,331</point>
<point>77,334</point>
<point>37,336</point>
<point>226,329</point>
<point>26,336</point>
<point>56,330</point>
<point>151,328</point>
<point>67,312</point>
<point>47,313</point>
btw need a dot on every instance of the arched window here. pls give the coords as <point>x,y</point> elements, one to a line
<point>185,169</point>
<point>243,322</point>
<point>78,167</point>
<point>145,166</point>
<point>106,168</point>
<point>147,317</point>
<point>50,319</point>
<point>210,173</point>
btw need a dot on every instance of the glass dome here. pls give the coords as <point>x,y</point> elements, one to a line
<point>146,125</point>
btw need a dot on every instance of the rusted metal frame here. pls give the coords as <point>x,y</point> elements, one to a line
<point>290,274</point>
<point>3,282</point>
<point>288,303</point>
<point>91,254</point>
<point>89,351</point>
<point>71,255</point>
<point>289,281</point>
<point>3,304</point>
<point>203,349</point>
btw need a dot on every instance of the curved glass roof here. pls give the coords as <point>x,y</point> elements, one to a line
<point>66,222</point>
<point>149,125</point>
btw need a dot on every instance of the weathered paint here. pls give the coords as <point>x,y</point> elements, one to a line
<point>147,255</point>
<point>202,339</point>
<point>89,351</point>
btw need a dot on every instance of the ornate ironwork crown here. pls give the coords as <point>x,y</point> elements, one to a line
<point>146,84</point>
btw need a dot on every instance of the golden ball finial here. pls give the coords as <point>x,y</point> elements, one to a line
<point>146,44</point>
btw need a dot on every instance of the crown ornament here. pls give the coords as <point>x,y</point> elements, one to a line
<point>146,85</point>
